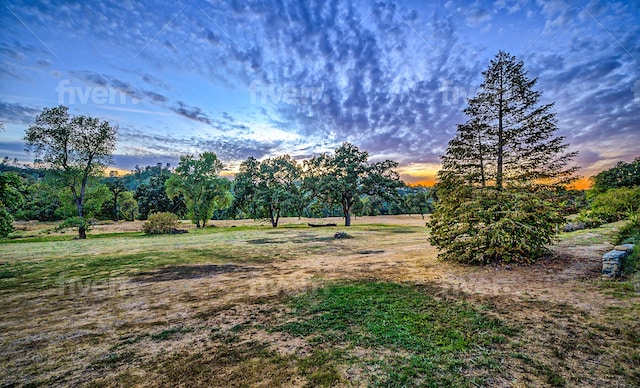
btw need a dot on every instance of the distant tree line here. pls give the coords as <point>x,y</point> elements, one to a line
<point>72,152</point>
<point>143,192</point>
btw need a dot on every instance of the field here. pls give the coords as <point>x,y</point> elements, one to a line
<point>243,304</point>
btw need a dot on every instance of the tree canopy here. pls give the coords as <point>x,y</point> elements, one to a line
<point>268,188</point>
<point>621,175</point>
<point>10,199</point>
<point>343,177</point>
<point>75,147</point>
<point>203,190</point>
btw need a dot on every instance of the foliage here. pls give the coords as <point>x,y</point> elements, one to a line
<point>501,172</point>
<point>74,222</point>
<point>630,233</point>
<point>128,206</point>
<point>487,225</point>
<point>203,190</point>
<point>97,194</point>
<point>622,175</point>
<point>42,201</point>
<point>160,223</point>
<point>613,205</point>
<point>117,189</point>
<point>10,199</point>
<point>418,201</point>
<point>347,175</point>
<point>75,147</point>
<point>144,175</point>
<point>152,197</point>
<point>268,188</point>
<point>6,222</point>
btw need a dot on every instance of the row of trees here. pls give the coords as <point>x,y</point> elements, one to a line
<point>76,149</point>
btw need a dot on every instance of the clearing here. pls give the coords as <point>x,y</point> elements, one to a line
<point>243,304</point>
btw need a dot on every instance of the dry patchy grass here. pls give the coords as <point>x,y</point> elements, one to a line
<point>255,306</point>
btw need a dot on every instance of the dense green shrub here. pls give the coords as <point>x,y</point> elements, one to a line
<point>485,225</point>
<point>6,225</point>
<point>160,223</point>
<point>614,205</point>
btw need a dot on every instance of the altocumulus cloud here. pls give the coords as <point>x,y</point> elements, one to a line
<point>391,77</point>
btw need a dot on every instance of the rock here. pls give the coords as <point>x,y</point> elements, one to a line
<point>614,255</point>
<point>613,261</point>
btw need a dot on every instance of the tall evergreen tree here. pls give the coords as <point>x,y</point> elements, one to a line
<point>498,170</point>
<point>509,139</point>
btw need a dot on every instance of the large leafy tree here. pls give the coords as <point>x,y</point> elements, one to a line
<point>203,190</point>
<point>498,172</point>
<point>152,197</point>
<point>267,189</point>
<point>621,175</point>
<point>74,147</point>
<point>10,199</point>
<point>345,176</point>
<point>418,201</point>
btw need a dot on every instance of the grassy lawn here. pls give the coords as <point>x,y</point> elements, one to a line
<point>256,306</point>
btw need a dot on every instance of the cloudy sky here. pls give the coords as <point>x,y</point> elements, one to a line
<point>264,78</point>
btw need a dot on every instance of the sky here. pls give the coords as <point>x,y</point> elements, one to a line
<point>266,78</point>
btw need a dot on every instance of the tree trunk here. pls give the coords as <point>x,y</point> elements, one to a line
<point>115,207</point>
<point>481,156</point>
<point>500,134</point>
<point>82,232</point>
<point>347,215</point>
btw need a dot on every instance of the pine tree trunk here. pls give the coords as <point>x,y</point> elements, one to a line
<point>500,134</point>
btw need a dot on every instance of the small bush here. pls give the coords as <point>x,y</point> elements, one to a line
<point>160,223</point>
<point>75,222</point>
<point>341,235</point>
<point>629,232</point>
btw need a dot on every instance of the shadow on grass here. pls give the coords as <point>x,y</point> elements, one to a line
<point>296,239</point>
<point>180,272</point>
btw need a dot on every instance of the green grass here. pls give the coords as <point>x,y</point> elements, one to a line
<point>433,342</point>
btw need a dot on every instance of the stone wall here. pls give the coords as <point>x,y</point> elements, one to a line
<point>613,261</point>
